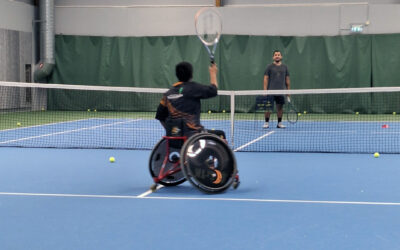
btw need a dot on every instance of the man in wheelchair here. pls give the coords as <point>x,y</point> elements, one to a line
<point>205,159</point>
<point>180,107</point>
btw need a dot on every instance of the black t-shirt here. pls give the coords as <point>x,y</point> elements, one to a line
<point>276,76</point>
<point>182,100</point>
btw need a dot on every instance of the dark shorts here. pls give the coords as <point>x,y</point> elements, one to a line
<point>278,99</point>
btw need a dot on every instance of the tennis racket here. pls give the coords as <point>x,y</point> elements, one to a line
<point>208,25</point>
<point>292,115</point>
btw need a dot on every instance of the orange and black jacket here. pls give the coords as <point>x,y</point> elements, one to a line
<point>182,100</point>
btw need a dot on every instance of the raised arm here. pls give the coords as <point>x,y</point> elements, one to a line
<point>213,74</point>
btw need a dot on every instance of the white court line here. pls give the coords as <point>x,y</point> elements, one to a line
<point>159,186</point>
<point>66,131</point>
<point>253,141</point>
<point>205,199</point>
<point>46,124</point>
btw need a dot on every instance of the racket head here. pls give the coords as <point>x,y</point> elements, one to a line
<point>208,24</point>
<point>292,115</point>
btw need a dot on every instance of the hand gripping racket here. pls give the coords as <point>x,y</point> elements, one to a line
<point>208,25</point>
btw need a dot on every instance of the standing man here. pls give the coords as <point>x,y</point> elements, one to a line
<point>276,77</point>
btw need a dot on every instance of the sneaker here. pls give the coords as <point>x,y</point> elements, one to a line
<point>266,125</point>
<point>280,125</point>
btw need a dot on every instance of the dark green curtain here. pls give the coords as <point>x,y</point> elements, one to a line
<point>314,62</point>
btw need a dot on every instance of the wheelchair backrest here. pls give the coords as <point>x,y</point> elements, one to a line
<point>176,128</point>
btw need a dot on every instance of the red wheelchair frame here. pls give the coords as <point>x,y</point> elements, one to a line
<point>176,167</point>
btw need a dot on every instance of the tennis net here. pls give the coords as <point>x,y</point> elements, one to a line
<point>352,120</point>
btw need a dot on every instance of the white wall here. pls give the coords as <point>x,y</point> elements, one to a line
<point>123,18</point>
<point>16,16</point>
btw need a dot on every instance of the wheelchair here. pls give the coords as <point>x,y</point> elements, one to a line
<point>204,159</point>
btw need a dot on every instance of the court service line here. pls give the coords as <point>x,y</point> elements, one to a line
<point>253,141</point>
<point>66,132</point>
<point>376,203</point>
<point>159,186</point>
<point>46,124</point>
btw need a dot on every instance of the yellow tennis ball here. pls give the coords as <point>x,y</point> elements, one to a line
<point>209,111</point>
<point>305,112</point>
<point>223,111</point>
<point>394,113</point>
<point>95,110</point>
<point>18,124</point>
<point>299,114</point>
<point>42,108</point>
<point>112,159</point>
<point>376,155</point>
<point>88,110</point>
<point>357,113</point>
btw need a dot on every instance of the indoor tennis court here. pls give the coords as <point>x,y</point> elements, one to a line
<point>81,84</point>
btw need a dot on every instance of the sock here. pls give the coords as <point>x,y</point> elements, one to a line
<point>266,119</point>
<point>279,119</point>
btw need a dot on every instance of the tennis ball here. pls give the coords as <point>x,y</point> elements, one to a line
<point>376,155</point>
<point>299,114</point>
<point>394,113</point>
<point>112,159</point>
<point>209,111</point>
<point>357,113</point>
<point>95,110</point>
<point>305,112</point>
<point>223,111</point>
<point>42,108</point>
<point>18,124</point>
<point>88,110</point>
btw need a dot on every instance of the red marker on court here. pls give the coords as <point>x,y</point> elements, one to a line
<point>385,126</point>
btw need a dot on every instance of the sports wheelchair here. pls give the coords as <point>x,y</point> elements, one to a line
<point>204,159</point>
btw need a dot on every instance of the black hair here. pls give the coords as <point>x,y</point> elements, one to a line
<point>184,71</point>
<point>273,53</point>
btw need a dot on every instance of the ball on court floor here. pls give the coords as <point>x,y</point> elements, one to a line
<point>305,112</point>
<point>95,110</point>
<point>376,155</point>
<point>209,111</point>
<point>357,113</point>
<point>88,110</point>
<point>18,124</point>
<point>394,113</point>
<point>112,159</point>
<point>42,109</point>
<point>299,114</point>
<point>223,111</point>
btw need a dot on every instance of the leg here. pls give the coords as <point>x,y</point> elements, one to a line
<point>269,107</point>
<point>280,101</point>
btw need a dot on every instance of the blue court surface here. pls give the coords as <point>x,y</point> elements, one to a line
<point>76,199</point>
<point>304,136</point>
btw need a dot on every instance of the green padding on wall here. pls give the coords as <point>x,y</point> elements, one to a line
<point>314,62</point>
<point>386,60</point>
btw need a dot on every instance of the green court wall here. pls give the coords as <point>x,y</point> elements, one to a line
<point>314,62</point>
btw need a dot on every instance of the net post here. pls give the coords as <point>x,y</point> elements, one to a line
<point>232,95</point>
